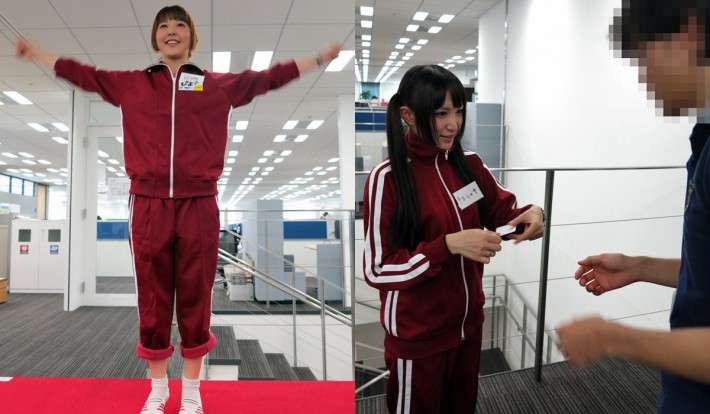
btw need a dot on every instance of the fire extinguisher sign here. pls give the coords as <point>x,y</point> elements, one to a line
<point>24,249</point>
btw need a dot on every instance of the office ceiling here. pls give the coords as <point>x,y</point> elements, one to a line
<point>115,34</point>
<point>389,24</point>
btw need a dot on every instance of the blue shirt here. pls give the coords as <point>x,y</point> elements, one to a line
<point>692,301</point>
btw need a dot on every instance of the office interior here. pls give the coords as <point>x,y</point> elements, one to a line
<point>547,88</point>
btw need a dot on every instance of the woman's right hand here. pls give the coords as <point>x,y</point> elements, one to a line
<point>24,49</point>
<point>475,244</point>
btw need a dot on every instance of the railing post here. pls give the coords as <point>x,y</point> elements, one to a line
<point>352,287</point>
<point>293,301</point>
<point>544,264</point>
<point>524,337</point>
<point>321,293</point>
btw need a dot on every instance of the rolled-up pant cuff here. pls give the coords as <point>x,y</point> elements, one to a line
<point>200,350</point>
<point>153,354</point>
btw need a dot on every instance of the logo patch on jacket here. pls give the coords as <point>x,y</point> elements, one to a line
<point>190,82</point>
<point>468,195</point>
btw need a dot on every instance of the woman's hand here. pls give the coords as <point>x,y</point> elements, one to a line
<point>533,221</point>
<point>475,244</point>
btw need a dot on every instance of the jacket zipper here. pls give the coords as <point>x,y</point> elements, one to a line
<point>458,216</point>
<point>172,130</point>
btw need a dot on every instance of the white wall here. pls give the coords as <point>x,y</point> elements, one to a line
<point>491,54</point>
<point>571,103</point>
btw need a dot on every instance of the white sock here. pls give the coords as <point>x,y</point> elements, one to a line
<point>191,401</point>
<point>158,396</point>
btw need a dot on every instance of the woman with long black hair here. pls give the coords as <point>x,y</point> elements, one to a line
<point>426,213</point>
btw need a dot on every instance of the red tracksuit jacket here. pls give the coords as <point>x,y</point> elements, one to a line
<point>175,130</point>
<point>431,300</point>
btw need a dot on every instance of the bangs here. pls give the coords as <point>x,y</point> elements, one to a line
<point>172,13</point>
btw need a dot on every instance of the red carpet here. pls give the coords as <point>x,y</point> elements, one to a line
<point>23,395</point>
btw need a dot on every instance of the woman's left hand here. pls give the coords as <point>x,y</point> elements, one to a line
<point>533,221</point>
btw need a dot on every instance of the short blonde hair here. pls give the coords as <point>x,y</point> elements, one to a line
<point>174,13</point>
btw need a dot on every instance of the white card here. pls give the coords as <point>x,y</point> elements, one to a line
<point>507,229</point>
<point>468,195</point>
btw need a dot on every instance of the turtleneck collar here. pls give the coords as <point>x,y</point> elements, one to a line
<point>417,148</point>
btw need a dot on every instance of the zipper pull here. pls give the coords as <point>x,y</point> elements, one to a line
<point>446,155</point>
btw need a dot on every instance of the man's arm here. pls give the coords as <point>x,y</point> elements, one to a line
<point>683,352</point>
<point>609,271</point>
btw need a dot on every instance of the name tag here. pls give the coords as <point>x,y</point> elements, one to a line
<point>190,82</point>
<point>468,195</point>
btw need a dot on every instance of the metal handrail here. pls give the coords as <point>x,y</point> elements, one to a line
<point>545,253</point>
<point>286,288</point>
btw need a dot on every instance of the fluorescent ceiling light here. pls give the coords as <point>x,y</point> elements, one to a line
<point>262,160</point>
<point>365,44</point>
<point>317,168</point>
<point>291,124</point>
<point>457,57</point>
<point>367,24</point>
<point>103,154</point>
<point>238,138</point>
<point>60,140</point>
<point>278,160</point>
<point>420,15</point>
<point>331,168</point>
<point>221,61</point>
<point>315,124</point>
<point>230,160</point>
<point>233,153</point>
<point>255,168</point>
<point>45,162</point>
<point>301,138</point>
<point>445,18</point>
<point>280,138</point>
<point>422,41</point>
<point>268,153</point>
<point>334,160</point>
<point>412,28</point>
<point>366,37</point>
<point>416,47</point>
<point>434,29</point>
<point>9,155</point>
<point>119,139</point>
<point>339,63</point>
<point>399,46</point>
<point>286,153</point>
<point>265,173</point>
<point>114,162</point>
<point>30,162</point>
<point>26,154</point>
<point>262,60</point>
<point>241,125</point>
<point>17,97</point>
<point>111,169</point>
<point>470,51</point>
<point>12,170</point>
<point>101,162</point>
<point>367,10</point>
<point>37,126</point>
<point>60,126</point>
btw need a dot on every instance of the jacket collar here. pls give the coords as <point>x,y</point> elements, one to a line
<point>160,64</point>
<point>418,149</point>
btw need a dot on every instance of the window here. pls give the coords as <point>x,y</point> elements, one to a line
<point>29,188</point>
<point>4,183</point>
<point>15,185</point>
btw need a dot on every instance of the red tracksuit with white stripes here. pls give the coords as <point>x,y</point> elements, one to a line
<point>175,131</point>
<point>432,301</point>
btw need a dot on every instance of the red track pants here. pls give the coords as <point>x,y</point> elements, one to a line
<point>174,244</point>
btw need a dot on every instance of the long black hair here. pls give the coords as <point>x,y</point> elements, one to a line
<point>423,90</point>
